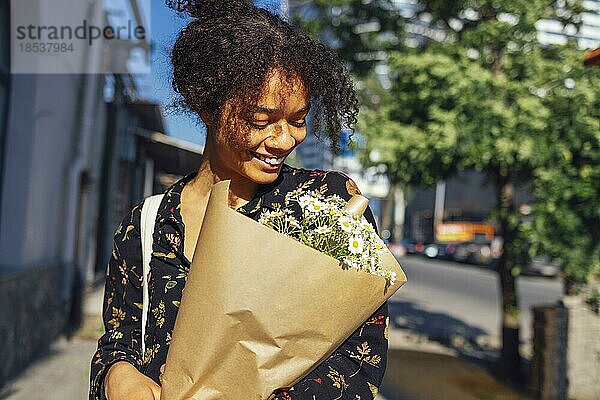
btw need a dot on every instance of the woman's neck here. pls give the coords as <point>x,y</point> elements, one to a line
<point>241,189</point>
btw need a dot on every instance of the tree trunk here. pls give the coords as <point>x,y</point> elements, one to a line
<point>569,285</point>
<point>388,211</point>
<point>509,364</point>
<point>399,212</point>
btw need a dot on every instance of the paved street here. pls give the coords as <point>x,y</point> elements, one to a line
<point>443,298</point>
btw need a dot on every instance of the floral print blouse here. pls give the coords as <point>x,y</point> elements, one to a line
<point>354,371</point>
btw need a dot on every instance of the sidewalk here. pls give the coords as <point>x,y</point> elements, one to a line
<point>416,369</point>
<point>62,375</point>
<point>64,372</point>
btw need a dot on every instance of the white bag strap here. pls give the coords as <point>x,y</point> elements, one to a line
<point>148,219</point>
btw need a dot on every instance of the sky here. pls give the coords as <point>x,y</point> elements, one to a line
<point>164,27</point>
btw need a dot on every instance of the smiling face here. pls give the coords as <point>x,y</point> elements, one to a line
<point>272,128</point>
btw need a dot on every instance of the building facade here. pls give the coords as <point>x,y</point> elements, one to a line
<point>61,145</point>
<point>4,75</point>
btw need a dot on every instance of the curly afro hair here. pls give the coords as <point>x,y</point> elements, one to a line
<point>230,46</point>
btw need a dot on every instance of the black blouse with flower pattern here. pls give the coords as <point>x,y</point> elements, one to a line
<point>354,371</point>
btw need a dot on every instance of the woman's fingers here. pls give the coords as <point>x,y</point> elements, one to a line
<point>125,382</point>
<point>155,390</point>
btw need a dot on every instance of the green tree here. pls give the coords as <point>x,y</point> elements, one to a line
<point>449,114</point>
<point>566,181</point>
<point>361,31</point>
<point>491,98</point>
<point>488,96</point>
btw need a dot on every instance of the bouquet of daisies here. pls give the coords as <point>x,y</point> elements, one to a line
<point>330,226</point>
<point>237,334</point>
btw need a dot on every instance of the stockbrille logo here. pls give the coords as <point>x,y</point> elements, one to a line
<point>74,36</point>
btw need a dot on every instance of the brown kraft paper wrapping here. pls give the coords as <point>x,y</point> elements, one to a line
<point>256,311</point>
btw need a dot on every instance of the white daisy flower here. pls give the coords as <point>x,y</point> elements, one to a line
<point>346,223</point>
<point>321,230</point>
<point>304,200</point>
<point>366,225</point>
<point>336,199</point>
<point>315,206</point>
<point>292,221</point>
<point>392,277</point>
<point>356,244</point>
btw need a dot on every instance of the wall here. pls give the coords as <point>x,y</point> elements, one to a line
<point>31,316</point>
<point>566,362</point>
<point>51,148</point>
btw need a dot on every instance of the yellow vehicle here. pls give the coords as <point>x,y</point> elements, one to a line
<point>459,232</point>
<point>471,242</point>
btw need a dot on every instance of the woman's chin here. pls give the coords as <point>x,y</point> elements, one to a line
<point>264,178</point>
<point>262,175</point>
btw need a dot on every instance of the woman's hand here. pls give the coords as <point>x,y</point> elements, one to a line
<point>124,382</point>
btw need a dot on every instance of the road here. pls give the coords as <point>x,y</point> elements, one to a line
<point>443,298</point>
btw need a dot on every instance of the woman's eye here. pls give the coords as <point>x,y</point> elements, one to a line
<point>298,124</point>
<point>259,125</point>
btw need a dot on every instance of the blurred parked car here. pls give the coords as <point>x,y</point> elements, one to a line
<point>398,250</point>
<point>440,250</point>
<point>412,247</point>
<point>468,242</point>
<point>409,245</point>
<point>431,250</point>
<point>542,266</point>
<point>473,253</point>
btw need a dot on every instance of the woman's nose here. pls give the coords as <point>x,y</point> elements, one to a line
<point>281,137</point>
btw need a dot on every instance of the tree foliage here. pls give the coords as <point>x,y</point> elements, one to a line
<point>492,98</point>
<point>361,31</point>
<point>566,178</point>
<point>450,113</point>
<point>486,95</point>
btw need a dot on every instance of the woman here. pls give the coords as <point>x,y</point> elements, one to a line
<point>252,79</point>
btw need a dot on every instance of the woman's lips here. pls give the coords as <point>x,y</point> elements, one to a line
<point>268,160</point>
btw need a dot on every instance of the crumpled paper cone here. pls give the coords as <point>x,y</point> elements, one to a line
<point>260,310</point>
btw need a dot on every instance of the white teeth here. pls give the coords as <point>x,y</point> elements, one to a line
<point>269,160</point>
